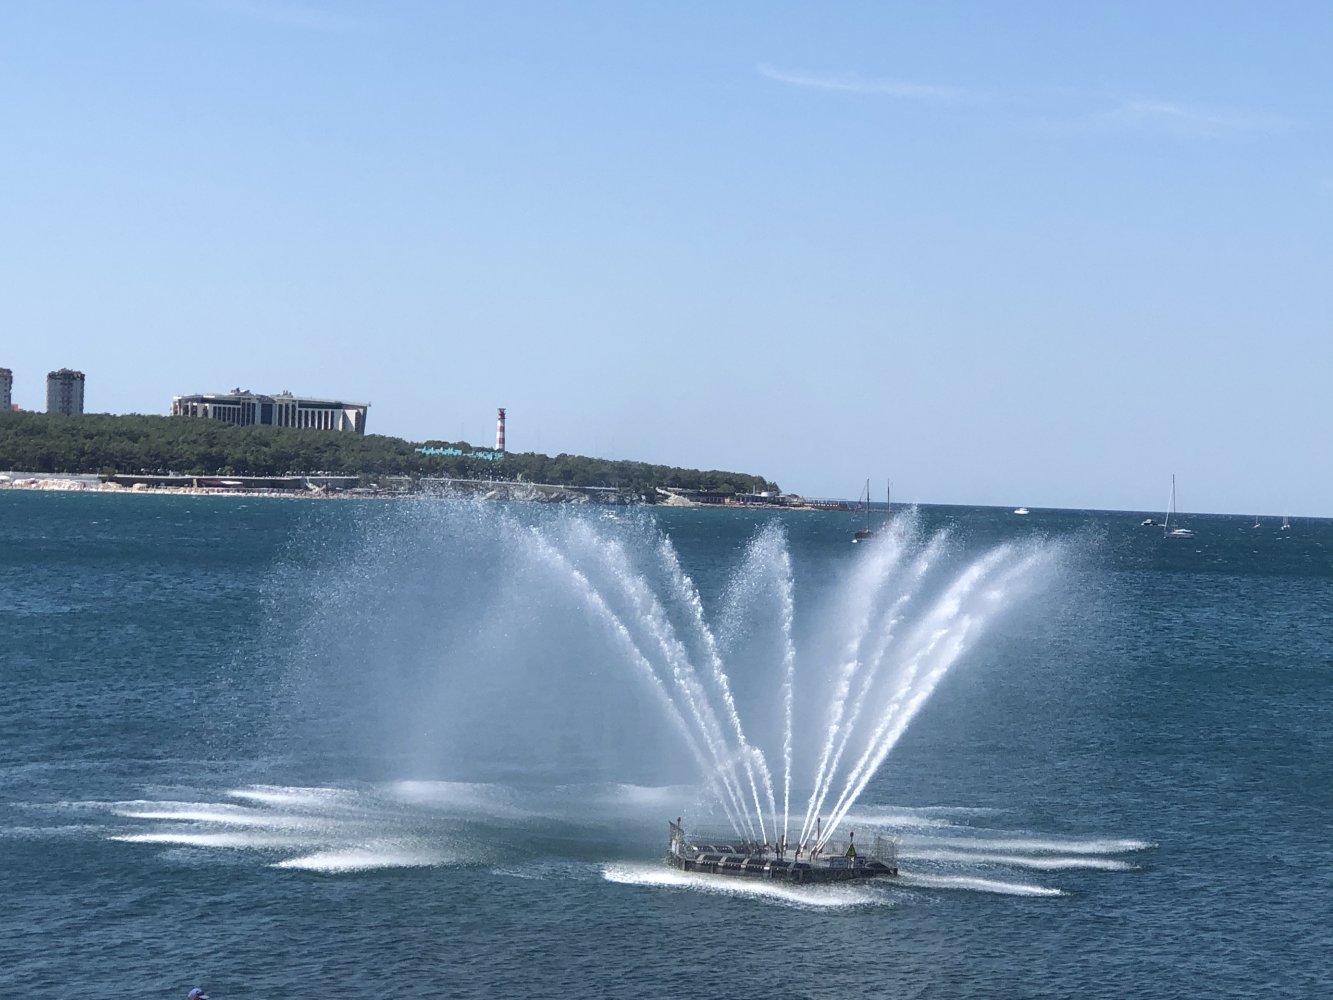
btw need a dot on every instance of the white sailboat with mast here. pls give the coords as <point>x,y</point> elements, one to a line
<point>1167,530</point>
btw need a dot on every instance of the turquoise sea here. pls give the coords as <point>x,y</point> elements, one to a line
<point>404,749</point>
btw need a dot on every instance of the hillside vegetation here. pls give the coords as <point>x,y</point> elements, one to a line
<point>137,444</point>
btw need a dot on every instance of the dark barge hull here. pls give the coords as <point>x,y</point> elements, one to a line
<point>750,861</point>
<point>800,872</point>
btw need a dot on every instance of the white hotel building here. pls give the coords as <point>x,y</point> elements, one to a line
<point>282,410</point>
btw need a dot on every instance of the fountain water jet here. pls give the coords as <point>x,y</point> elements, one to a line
<point>863,715</point>
<point>551,620</point>
<point>953,624</point>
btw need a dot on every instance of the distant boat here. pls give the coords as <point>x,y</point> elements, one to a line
<point>1256,522</point>
<point>1021,510</point>
<point>1286,523</point>
<point>862,534</point>
<point>1167,530</point>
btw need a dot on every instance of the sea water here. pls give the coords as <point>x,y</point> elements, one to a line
<point>392,749</point>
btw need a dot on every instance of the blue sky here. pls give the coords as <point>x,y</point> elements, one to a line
<point>1029,253</point>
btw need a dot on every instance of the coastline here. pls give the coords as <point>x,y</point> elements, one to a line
<point>52,483</point>
<point>480,489</point>
<point>87,483</point>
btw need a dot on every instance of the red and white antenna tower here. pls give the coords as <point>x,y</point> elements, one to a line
<point>500,429</point>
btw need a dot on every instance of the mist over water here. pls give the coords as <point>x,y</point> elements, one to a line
<point>475,642</point>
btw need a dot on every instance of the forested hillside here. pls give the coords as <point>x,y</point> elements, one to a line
<point>106,443</point>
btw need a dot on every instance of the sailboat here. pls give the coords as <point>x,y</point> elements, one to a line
<point>1286,523</point>
<point>1167,530</point>
<point>861,534</point>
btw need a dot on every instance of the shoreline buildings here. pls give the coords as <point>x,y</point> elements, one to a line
<point>243,407</point>
<point>6,390</point>
<point>64,392</point>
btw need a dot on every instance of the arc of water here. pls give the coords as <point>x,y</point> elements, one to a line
<point>866,587</point>
<point>649,610</point>
<point>965,625</point>
<point>767,571</point>
<point>716,776</point>
<point>940,624</point>
<point>787,597</point>
<point>887,629</point>
<point>754,758</point>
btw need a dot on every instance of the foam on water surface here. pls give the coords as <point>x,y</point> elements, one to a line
<point>965,842</point>
<point>1041,862</point>
<point>972,883</point>
<point>809,897</point>
<point>233,841</point>
<point>432,823</point>
<point>361,859</point>
<point>280,795</point>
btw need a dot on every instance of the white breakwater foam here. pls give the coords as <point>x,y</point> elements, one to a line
<point>808,897</point>
<point>1040,862</point>
<point>189,812</point>
<point>408,823</point>
<point>1028,844</point>
<point>295,797</point>
<point>360,859</point>
<point>972,883</point>
<point>231,841</point>
<point>413,824</point>
<point>899,820</point>
<point>329,830</point>
<point>935,851</point>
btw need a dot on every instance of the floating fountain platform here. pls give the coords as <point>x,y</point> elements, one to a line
<point>830,862</point>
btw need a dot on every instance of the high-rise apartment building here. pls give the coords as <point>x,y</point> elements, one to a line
<point>64,392</point>
<point>6,389</point>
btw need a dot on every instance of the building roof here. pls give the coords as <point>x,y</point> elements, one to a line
<point>284,396</point>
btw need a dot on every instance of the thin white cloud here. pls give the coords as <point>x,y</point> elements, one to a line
<point>1174,116</point>
<point>1057,108</point>
<point>903,89</point>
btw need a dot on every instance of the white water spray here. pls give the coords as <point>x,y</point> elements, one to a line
<point>907,611</point>
<point>555,645</point>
